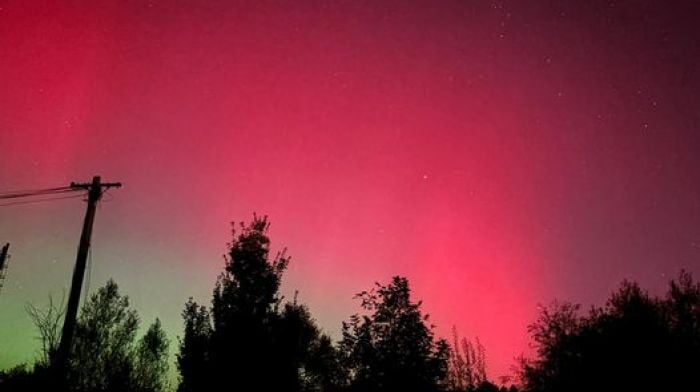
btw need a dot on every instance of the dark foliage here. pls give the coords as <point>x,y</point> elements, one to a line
<point>252,340</point>
<point>245,311</point>
<point>635,342</point>
<point>467,364</point>
<point>18,378</point>
<point>193,358</point>
<point>392,348</point>
<point>106,356</point>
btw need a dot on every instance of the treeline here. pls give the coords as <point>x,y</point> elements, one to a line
<point>253,339</point>
<point>635,342</point>
<point>105,356</point>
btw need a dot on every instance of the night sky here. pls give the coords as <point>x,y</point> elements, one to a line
<point>499,154</point>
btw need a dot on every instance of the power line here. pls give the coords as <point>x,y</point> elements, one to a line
<point>22,202</point>
<point>95,190</point>
<point>37,192</point>
<point>39,195</point>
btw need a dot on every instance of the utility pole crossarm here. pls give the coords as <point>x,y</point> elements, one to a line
<point>88,185</point>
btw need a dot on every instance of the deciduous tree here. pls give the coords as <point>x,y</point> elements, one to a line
<point>391,347</point>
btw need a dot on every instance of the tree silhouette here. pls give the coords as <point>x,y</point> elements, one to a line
<point>251,340</point>
<point>323,369</point>
<point>193,358</point>
<point>635,342</point>
<point>307,356</point>
<point>106,356</point>
<point>151,363</point>
<point>102,356</point>
<point>21,378</point>
<point>244,310</point>
<point>48,322</point>
<point>391,348</point>
<point>467,364</point>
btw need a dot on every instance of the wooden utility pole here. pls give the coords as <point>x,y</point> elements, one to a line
<point>95,189</point>
<point>3,263</point>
